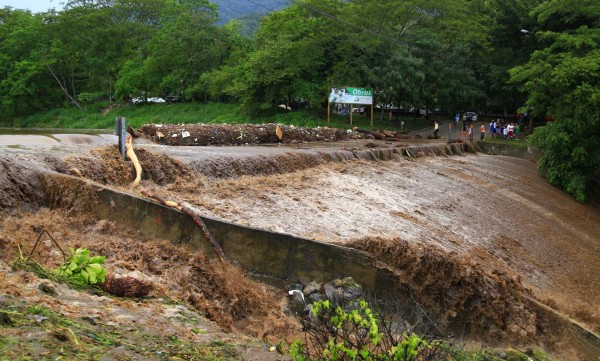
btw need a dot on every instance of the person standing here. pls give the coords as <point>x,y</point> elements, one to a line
<point>436,128</point>
<point>492,128</point>
<point>497,127</point>
<point>471,133</point>
<point>482,131</point>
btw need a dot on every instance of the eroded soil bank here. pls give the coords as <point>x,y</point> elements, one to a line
<point>485,224</point>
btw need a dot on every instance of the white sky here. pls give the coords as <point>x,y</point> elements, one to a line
<point>35,6</point>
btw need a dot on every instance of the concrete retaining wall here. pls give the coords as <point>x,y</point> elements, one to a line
<point>280,258</point>
<point>510,150</point>
<point>273,257</point>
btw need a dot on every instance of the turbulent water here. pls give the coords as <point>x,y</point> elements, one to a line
<point>493,214</point>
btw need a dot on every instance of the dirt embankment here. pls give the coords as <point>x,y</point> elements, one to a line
<point>211,134</point>
<point>219,291</point>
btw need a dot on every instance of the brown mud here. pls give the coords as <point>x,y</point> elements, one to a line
<point>472,236</point>
<point>19,186</point>
<point>221,292</point>
<point>205,134</point>
<point>459,291</point>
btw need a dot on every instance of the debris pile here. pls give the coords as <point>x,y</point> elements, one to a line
<point>242,134</point>
<point>339,291</point>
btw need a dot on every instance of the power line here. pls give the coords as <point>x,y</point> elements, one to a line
<point>372,33</point>
<point>361,29</point>
<point>369,32</point>
<point>331,50</point>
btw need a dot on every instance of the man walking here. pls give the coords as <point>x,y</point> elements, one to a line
<point>436,128</point>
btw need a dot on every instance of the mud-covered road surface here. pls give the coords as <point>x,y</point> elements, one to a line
<point>494,215</point>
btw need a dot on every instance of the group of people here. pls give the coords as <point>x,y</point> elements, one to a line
<point>497,128</point>
<point>501,129</point>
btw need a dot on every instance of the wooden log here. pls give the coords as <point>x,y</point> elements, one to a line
<point>376,135</point>
<point>185,208</point>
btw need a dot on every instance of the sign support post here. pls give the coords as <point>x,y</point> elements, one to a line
<point>352,96</point>
<point>328,110</point>
<point>121,126</point>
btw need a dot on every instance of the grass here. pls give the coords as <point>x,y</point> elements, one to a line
<point>102,116</point>
<point>59,337</point>
<point>522,143</point>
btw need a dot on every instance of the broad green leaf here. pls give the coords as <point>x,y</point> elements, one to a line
<point>97,259</point>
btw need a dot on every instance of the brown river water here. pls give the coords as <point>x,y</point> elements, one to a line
<point>494,213</point>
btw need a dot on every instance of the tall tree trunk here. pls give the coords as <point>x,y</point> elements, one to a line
<point>73,100</point>
<point>73,86</point>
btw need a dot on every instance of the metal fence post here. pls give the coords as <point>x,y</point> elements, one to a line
<point>121,131</point>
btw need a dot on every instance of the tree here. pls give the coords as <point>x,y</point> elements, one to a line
<point>185,45</point>
<point>24,84</point>
<point>563,80</point>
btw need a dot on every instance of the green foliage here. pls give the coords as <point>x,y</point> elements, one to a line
<point>38,310</point>
<point>411,52</point>
<point>72,339</point>
<point>563,80</point>
<point>82,268</point>
<point>356,332</point>
<point>353,333</point>
<point>102,116</point>
<point>230,9</point>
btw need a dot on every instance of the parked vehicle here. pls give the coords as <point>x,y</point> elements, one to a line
<point>172,99</point>
<point>469,117</point>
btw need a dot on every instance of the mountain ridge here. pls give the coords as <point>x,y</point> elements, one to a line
<point>232,9</point>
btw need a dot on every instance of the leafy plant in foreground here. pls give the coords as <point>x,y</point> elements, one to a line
<point>335,333</point>
<point>82,268</point>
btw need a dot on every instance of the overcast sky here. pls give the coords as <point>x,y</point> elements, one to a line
<point>35,6</point>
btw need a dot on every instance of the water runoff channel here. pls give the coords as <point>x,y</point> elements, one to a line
<point>463,297</point>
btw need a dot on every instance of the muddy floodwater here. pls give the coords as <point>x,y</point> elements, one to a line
<point>494,212</point>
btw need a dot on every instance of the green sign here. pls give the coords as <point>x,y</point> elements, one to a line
<point>360,91</point>
<point>362,96</point>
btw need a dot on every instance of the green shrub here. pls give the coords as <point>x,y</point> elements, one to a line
<point>353,333</point>
<point>81,268</point>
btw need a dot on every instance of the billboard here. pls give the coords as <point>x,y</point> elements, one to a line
<point>362,96</point>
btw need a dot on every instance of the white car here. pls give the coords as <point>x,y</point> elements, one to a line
<point>140,100</point>
<point>469,117</point>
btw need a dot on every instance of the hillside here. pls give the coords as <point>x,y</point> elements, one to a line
<point>231,9</point>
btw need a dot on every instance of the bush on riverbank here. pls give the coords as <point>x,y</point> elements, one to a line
<point>102,116</point>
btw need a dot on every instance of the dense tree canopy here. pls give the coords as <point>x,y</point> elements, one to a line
<point>499,55</point>
<point>562,79</point>
<point>412,52</point>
